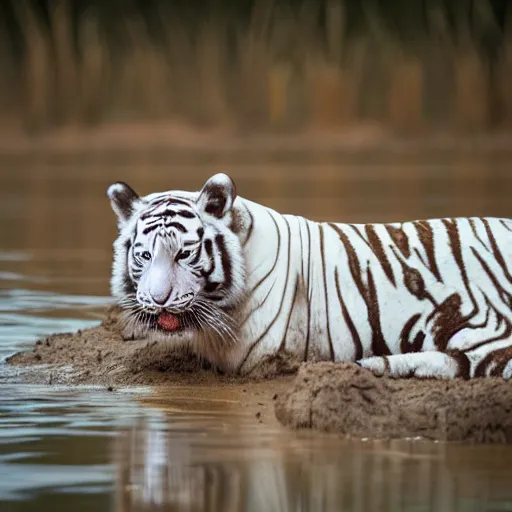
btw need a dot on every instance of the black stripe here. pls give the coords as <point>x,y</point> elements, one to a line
<point>159,202</point>
<point>505,225</point>
<point>475,232</point>
<point>348,320</point>
<point>283,341</point>
<point>326,295</point>
<point>378,249</point>
<point>420,257</point>
<point>154,219</point>
<point>150,212</point>
<point>502,292</point>
<point>448,320</point>
<point>176,201</point>
<point>271,324</point>
<point>128,286</point>
<point>500,356</point>
<point>379,345</point>
<point>178,226</point>
<point>454,237</point>
<point>197,256</point>
<point>360,235</point>
<point>225,259</point>
<point>251,225</point>
<point>186,214</point>
<point>148,229</point>
<point>301,252</point>
<point>369,293</point>
<point>304,281</point>
<point>260,305</point>
<point>282,345</point>
<point>208,247</point>
<point>496,251</point>
<point>504,335</point>
<point>308,294</point>
<point>413,280</point>
<point>399,238</point>
<point>405,344</point>
<point>463,363</point>
<point>264,278</point>
<point>426,237</point>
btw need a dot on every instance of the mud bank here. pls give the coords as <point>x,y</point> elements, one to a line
<point>349,400</point>
<point>99,355</point>
<point>340,398</point>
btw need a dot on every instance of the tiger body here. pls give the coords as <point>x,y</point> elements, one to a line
<point>429,298</point>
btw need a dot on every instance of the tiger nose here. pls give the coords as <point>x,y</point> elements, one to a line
<point>161,297</point>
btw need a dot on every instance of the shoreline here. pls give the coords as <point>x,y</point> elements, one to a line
<point>338,398</point>
<point>181,139</point>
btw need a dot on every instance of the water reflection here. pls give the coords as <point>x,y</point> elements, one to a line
<point>55,446</point>
<point>91,449</point>
<point>213,463</point>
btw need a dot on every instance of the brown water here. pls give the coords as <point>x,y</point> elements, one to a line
<point>198,449</point>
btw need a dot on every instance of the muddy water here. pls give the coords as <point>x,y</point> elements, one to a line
<point>200,449</point>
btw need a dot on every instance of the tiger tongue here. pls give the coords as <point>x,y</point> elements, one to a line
<point>168,321</point>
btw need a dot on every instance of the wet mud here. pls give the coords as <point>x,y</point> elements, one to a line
<point>350,400</point>
<point>332,397</point>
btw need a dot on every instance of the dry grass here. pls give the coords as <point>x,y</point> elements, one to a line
<point>279,73</point>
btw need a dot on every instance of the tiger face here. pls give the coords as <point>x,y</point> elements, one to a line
<point>178,266</point>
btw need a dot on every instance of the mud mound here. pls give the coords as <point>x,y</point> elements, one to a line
<point>331,397</point>
<point>347,399</point>
<point>100,356</point>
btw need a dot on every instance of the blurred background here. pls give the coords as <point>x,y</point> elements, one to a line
<point>265,66</point>
<point>340,110</point>
<point>375,110</point>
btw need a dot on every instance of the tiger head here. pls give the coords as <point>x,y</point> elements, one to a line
<point>178,266</point>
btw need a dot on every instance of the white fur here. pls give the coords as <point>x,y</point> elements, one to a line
<point>292,271</point>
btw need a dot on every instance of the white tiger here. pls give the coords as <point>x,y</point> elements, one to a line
<point>239,283</point>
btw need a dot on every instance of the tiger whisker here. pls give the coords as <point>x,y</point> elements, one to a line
<point>217,319</point>
<point>207,322</point>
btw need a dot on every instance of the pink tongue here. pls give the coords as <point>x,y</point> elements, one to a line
<point>168,321</point>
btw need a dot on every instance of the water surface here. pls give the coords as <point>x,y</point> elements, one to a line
<point>196,449</point>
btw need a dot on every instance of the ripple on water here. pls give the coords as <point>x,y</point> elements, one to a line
<point>27,315</point>
<point>57,439</point>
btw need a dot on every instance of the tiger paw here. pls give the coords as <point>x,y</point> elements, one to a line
<point>419,364</point>
<point>377,365</point>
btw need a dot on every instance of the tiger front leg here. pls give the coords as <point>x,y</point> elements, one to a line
<point>418,364</point>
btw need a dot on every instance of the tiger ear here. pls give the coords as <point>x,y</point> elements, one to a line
<point>122,198</point>
<point>217,195</point>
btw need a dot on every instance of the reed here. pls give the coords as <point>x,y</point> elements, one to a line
<point>278,71</point>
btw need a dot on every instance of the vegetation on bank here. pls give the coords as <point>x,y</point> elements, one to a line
<point>258,65</point>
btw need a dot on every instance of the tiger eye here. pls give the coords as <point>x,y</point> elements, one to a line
<point>183,255</point>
